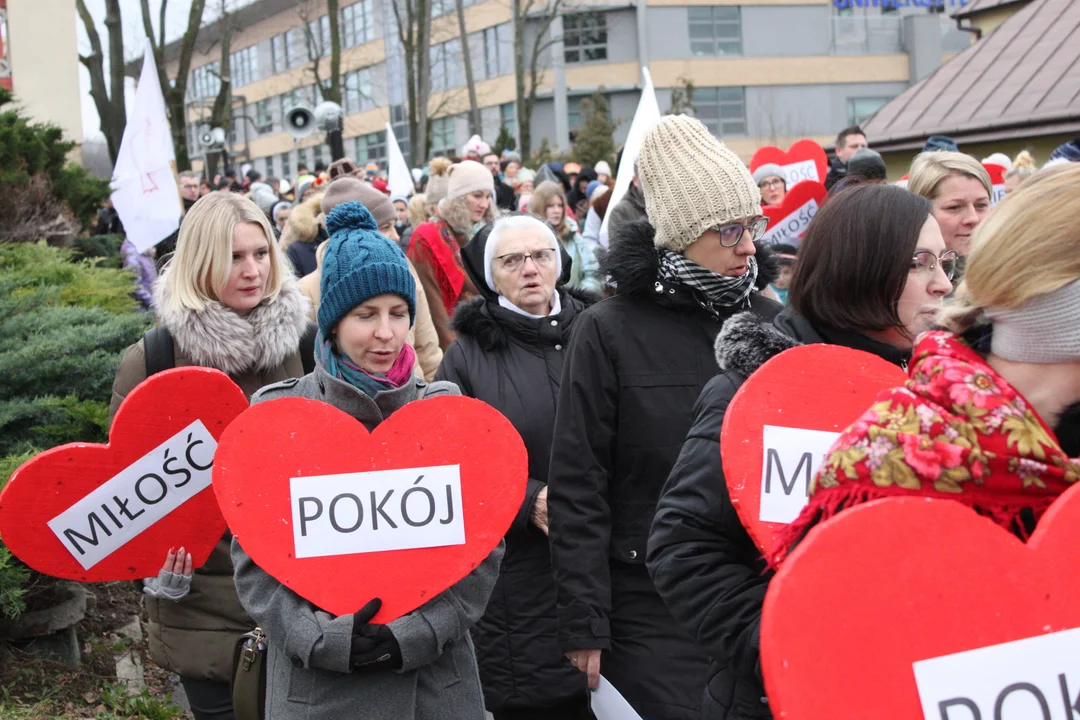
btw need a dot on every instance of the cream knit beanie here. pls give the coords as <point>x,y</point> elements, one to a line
<point>438,181</point>
<point>691,182</point>
<point>468,176</point>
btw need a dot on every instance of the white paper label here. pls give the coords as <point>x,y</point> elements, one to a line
<point>136,498</point>
<point>998,195</point>
<point>790,458</point>
<point>799,171</point>
<point>1032,679</point>
<point>375,511</point>
<point>791,228</point>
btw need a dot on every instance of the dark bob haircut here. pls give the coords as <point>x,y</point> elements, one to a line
<point>855,258</point>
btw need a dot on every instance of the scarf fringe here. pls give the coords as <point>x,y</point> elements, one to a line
<point>826,504</point>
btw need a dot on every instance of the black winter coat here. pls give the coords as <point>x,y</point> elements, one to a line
<point>704,564</point>
<point>635,366</point>
<point>514,363</point>
<point>302,254</point>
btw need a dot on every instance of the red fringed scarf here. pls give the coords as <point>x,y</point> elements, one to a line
<point>433,243</point>
<point>956,430</point>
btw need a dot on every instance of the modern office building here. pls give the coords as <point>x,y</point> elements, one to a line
<point>763,71</point>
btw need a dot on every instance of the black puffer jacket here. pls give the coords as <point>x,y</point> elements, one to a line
<point>636,364</point>
<point>704,564</point>
<point>514,363</point>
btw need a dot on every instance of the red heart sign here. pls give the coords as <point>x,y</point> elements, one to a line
<point>782,421</point>
<point>804,161</point>
<point>789,220</point>
<point>340,515</point>
<point>997,182</point>
<point>94,513</point>
<point>901,608</point>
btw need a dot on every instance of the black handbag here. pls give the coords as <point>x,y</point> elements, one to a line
<point>249,676</point>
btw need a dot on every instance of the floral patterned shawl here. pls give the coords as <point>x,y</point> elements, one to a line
<point>956,430</point>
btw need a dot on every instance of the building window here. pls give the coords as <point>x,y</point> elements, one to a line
<point>264,116</point>
<point>498,51</point>
<point>371,148</point>
<point>244,65</point>
<point>508,117</point>
<point>443,137</point>
<point>317,154</point>
<point>286,166</point>
<point>715,31</point>
<point>283,51</point>
<point>859,109</point>
<point>289,100</point>
<point>585,37</point>
<point>358,91</point>
<point>357,23</point>
<point>723,110</point>
<point>446,69</point>
<point>573,110</point>
<point>206,80</point>
<point>302,160</point>
<point>400,125</point>
<point>318,38</point>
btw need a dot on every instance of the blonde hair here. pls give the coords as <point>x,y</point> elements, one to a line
<point>542,196</point>
<point>1028,246</point>
<point>930,168</point>
<point>199,270</point>
<point>418,210</point>
<point>1023,166</point>
<point>455,213</point>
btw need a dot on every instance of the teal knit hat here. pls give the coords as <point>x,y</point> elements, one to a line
<point>359,264</point>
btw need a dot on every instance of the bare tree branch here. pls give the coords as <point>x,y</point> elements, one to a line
<point>110,108</point>
<point>474,108</point>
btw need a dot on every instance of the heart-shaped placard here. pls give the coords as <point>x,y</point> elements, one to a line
<point>369,531</point>
<point>783,420</point>
<point>93,513</point>
<point>804,161</point>
<point>789,220</point>
<point>997,182</point>
<point>902,608</point>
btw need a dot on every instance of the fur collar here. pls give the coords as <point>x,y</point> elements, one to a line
<point>472,319</point>
<point>217,337</point>
<point>745,343</point>
<point>632,262</point>
<point>303,224</point>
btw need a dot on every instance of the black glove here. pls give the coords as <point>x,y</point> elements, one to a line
<point>374,647</point>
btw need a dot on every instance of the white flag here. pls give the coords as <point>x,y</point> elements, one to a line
<point>144,187</point>
<point>647,115</point>
<point>400,181</point>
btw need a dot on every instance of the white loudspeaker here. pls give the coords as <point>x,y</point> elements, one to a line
<point>328,116</point>
<point>211,138</point>
<point>300,121</point>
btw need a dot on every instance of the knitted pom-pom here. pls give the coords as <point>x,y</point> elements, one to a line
<point>349,215</point>
<point>439,166</point>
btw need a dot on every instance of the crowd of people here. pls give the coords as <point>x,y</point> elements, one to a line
<point>615,356</point>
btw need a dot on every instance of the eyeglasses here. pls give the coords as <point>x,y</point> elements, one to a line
<point>926,262</point>
<point>515,261</point>
<point>768,184</point>
<point>732,233</point>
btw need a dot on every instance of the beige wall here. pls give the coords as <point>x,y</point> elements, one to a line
<point>45,63</point>
<point>742,71</point>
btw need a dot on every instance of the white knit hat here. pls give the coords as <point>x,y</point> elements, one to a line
<point>468,176</point>
<point>691,182</point>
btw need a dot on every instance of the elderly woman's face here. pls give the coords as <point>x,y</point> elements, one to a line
<point>528,282</point>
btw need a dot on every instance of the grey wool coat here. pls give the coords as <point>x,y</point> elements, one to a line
<point>308,675</point>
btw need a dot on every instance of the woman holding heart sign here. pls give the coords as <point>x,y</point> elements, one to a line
<point>858,283</point>
<point>228,300</point>
<point>420,665</point>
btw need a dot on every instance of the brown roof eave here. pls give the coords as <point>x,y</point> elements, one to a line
<point>988,135</point>
<point>975,7</point>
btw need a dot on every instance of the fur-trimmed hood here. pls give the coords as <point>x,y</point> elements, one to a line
<point>474,319</point>
<point>745,343</point>
<point>633,264</point>
<point>303,224</point>
<point>217,337</point>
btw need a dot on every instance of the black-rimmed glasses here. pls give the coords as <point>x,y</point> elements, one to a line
<point>731,233</point>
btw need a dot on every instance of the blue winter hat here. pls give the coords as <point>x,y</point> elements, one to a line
<point>1069,151</point>
<point>593,184</point>
<point>940,142</point>
<point>359,264</point>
